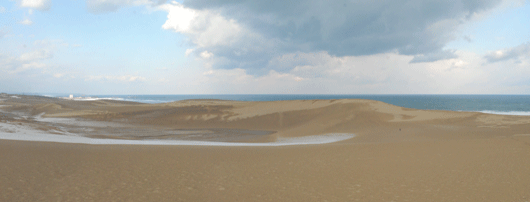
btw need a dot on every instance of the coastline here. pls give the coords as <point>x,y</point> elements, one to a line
<point>397,153</point>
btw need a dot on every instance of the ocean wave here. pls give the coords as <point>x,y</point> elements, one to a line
<point>147,101</point>
<point>513,113</point>
<point>92,98</point>
<point>109,98</point>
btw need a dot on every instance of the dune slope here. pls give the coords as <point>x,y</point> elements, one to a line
<point>398,154</point>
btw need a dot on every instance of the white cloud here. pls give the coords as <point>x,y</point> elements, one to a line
<point>36,4</point>
<point>44,42</point>
<point>275,76</point>
<point>3,32</point>
<point>239,81</point>
<point>321,72</point>
<point>237,77</point>
<point>297,78</point>
<point>33,65</point>
<point>206,55</point>
<point>26,22</point>
<point>205,28</point>
<point>516,53</point>
<point>35,55</point>
<point>27,66</point>
<point>130,78</point>
<point>104,6</point>
<point>12,65</point>
<point>51,44</point>
<point>124,78</point>
<point>2,9</point>
<point>434,56</point>
<point>179,19</point>
<point>188,52</point>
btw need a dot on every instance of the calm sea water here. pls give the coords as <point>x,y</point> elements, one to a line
<point>496,104</point>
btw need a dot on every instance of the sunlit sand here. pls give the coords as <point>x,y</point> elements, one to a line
<point>214,150</point>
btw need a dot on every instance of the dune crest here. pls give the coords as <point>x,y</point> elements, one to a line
<point>369,120</point>
<point>264,151</point>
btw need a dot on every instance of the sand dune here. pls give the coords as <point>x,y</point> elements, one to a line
<point>397,154</point>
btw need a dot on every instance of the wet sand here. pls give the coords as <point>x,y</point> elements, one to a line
<point>397,154</point>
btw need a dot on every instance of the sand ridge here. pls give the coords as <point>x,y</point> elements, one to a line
<point>398,154</point>
<point>292,118</point>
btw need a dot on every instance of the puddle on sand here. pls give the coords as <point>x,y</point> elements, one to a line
<point>29,134</point>
<point>111,130</point>
<point>75,130</point>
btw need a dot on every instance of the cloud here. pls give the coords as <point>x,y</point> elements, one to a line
<point>23,63</point>
<point>434,56</point>
<point>105,6</point>
<point>206,55</point>
<point>385,73</point>
<point>42,5</point>
<point>26,22</point>
<point>204,28</point>
<point>124,78</point>
<point>130,78</point>
<point>33,60</point>
<point>517,52</point>
<point>35,55</point>
<point>468,38</point>
<point>224,39</point>
<point>249,34</point>
<point>3,32</point>
<point>28,66</point>
<point>2,9</point>
<point>179,18</point>
<point>355,69</point>
<point>33,65</point>
<point>188,52</point>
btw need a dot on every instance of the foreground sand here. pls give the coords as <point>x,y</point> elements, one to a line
<point>397,155</point>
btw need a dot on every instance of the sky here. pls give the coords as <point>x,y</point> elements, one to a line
<point>265,47</point>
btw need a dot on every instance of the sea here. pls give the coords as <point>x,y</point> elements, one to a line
<point>492,104</point>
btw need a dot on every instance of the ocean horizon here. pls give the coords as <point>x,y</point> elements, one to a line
<point>492,104</point>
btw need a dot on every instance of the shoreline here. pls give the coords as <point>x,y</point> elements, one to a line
<point>163,99</point>
<point>397,154</point>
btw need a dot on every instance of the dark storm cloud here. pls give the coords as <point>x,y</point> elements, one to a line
<point>347,28</point>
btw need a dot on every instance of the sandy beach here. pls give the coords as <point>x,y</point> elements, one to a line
<point>394,153</point>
